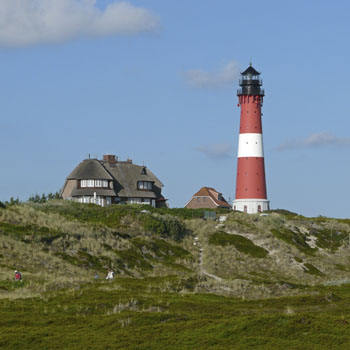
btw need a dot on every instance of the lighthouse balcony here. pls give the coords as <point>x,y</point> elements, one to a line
<point>250,90</point>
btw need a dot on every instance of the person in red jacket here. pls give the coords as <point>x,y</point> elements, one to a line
<point>18,276</point>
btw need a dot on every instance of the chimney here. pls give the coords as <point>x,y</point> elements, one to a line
<point>110,158</point>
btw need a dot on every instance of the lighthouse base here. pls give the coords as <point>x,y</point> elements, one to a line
<point>251,206</point>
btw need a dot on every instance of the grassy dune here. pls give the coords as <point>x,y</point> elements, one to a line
<point>276,281</point>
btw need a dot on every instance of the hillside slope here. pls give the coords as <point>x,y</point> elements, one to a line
<point>64,245</point>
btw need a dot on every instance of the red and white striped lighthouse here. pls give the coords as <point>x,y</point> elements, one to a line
<point>251,194</point>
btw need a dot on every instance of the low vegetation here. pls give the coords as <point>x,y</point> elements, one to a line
<point>241,243</point>
<point>269,282</point>
<point>294,237</point>
<point>152,314</point>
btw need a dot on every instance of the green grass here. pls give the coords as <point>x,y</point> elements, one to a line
<point>8,285</point>
<point>157,221</point>
<point>138,314</point>
<point>113,215</point>
<point>342,267</point>
<point>75,311</point>
<point>294,237</point>
<point>242,244</point>
<point>330,238</point>
<point>311,269</point>
<point>87,261</point>
<point>28,233</point>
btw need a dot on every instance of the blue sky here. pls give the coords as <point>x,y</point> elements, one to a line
<point>156,81</point>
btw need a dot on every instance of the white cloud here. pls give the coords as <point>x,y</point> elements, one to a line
<point>315,140</point>
<point>216,151</point>
<point>225,76</point>
<point>30,22</point>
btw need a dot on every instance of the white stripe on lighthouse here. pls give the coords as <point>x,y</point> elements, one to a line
<point>250,145</point>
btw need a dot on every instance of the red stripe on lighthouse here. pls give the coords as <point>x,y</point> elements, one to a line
<point>250,181</point>
<point>250,114</point>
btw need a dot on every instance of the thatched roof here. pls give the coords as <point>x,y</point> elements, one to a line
<point>90,169</point>
<point>127,175</point>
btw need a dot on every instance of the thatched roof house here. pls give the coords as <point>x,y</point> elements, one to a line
<point>110,181</point>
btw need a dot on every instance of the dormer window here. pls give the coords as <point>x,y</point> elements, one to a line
<point>145,185</point>
<point>94,183</point>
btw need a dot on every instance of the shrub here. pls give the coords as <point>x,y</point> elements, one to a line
<point>165,226</point>
<point>295,238</point>
<point>311,269</point>
<point>297,259</point>
<point>26,233</point>
<point>242,244</point>
<point>329,238</point>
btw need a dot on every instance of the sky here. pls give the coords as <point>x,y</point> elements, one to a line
<point>156,81</point>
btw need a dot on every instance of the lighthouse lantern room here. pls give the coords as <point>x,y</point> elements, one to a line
<point>251,196</point>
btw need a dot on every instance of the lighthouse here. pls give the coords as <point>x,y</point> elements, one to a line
<point>251,196</point>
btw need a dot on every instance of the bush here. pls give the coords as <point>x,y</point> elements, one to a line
<point>242,244</point>
<point>295,238</point>
<point>28,233</point>
<point>311,269</point>
<point>165,226</point>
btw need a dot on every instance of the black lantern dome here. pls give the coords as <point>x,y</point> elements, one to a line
<point>250,83</point>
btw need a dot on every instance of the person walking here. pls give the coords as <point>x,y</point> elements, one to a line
<point>110,275</point>
<point>18,276</point>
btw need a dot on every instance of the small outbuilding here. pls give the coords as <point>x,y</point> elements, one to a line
<point>207,198</point>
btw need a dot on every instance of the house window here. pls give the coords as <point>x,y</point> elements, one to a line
<point>146,201</point>
<point>93,183</point>
<point>134,200</point>
<point>245,208</point>
<point>85,199</point>
<point>144,185</point>
<point>259,208</point>
<point>98,183</point>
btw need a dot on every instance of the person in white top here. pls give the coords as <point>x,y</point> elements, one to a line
<point>110,275</point>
